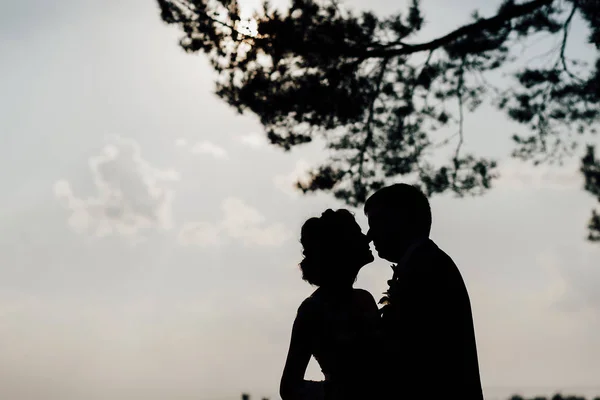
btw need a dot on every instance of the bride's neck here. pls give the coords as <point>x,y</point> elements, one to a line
<point>339,287</point>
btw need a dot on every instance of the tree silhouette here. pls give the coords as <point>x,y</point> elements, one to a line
<point>591,171</point>
<point>555,397</point>
<point>378,97</point>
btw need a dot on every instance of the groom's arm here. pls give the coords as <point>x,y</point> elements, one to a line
<point>427,336</point>
<point>438,319</point>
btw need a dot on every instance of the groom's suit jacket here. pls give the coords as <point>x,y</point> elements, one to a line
<point>429,330</point>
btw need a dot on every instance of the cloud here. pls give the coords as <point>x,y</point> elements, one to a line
<point>556,290</point>
<point>582,277</point>
<point>181,142</point>
<point>287,182</point>
<point>202,147</point>
<point>200,234</point>
<point>254,140</point>
<point>572,279</point>
<point>240,222</point>
<point>212,149</point>
<point>519,175</point>
<point>131,195</point>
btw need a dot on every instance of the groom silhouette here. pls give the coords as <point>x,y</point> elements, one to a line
<point>427,321</point>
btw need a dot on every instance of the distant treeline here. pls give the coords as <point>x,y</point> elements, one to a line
<point>246,396</point>
<point>555,397</point>
<point>514,397</point>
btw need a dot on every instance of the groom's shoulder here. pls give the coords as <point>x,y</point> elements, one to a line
<point>438,263</point>
<point>451,272</point>
<point>440,256</point>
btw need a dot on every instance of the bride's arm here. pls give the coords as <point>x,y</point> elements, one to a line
<point>293,386</point>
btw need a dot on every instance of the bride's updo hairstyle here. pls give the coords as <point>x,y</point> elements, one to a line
<point>325,247</point>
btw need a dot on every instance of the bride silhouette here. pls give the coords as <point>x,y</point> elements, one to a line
<point>337,324</point>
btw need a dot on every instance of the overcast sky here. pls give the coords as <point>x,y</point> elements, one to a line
<point>149,236</point>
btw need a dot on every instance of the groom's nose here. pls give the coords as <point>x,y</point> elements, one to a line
<point>369,236</point>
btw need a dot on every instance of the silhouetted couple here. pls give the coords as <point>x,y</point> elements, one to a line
<point>420,345</point>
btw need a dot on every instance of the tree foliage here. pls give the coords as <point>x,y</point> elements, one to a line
<point>377,96</point>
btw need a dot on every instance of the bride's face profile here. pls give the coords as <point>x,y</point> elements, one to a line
<point>334,248</point>
<point>357,246</point>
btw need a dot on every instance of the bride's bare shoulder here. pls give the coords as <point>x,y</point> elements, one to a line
<point>311,303</point>
<point>364,298</point>
<point>362,293</point>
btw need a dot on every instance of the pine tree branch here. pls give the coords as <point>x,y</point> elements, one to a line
<point>511,13</point>
<point>184,5</point>
<point>459,96</point>
<point>370,118</point>
<point>564,45</point>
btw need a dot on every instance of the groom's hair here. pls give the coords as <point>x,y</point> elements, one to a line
<point>405,199</point>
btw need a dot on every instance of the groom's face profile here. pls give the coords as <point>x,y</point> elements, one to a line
<point>387,232</point>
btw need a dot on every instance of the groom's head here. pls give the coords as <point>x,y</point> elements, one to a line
<point>397,214</point>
